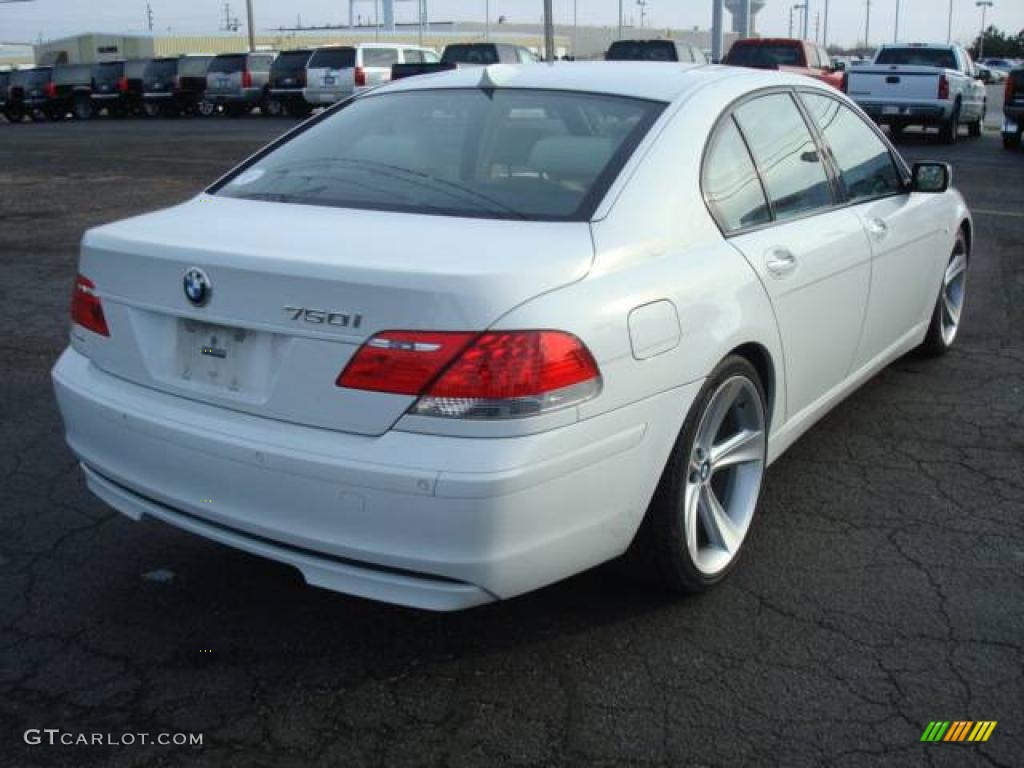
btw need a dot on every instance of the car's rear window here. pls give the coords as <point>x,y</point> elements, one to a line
<point>333,58</point>
<point>507,154</point>
<point>228,65</point>
<point>290,61</point>
<point>29,77</point>
<point>470,54</point>
<point>765,56</point>
<point>110,70</point>
<point>918,57</point>
<point>642,50</point>
<point>80,74</point>
<point>161,68</point>
<point>192,66</point>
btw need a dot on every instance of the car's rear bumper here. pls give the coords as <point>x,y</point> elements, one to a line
<point>1013,119</point>
<point>902,112</point>
<point>434,522</point>
<point>251,96</point>
<point>317,96</point>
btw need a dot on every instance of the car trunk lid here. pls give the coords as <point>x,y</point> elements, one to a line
<point>294,291</point>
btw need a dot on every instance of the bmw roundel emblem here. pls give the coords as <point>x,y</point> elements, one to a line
<point>197,286</point>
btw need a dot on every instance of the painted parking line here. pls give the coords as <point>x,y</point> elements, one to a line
<point>987,212</point>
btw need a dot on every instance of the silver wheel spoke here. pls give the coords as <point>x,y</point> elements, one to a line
<point>741,448</point>
<point>956,268</point>
<point>690,514</point>
<point>717,524</point>
<point>723,401</point>
<point>951,309</point>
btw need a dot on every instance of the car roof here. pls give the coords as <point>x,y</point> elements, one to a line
<point>940,46</point>
<point>657,81</point>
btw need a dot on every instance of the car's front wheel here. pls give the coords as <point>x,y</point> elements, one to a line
<point>705,501</point>
<point>949,307</point>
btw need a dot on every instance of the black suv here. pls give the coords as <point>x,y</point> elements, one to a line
<point>5,82</point>
<point>29,93</point>
<point>71,92</point>
<point>287,79</point>
<point>117,87</point>
<point>655,50</point>
<point>1013,109</point>
<point>173,86</point>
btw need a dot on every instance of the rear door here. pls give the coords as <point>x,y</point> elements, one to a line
<point>330,74</point>
<point>106,78</point>
<point>377,64</point>
<point>224,76</point>
<point>907,249</point>
<point>812,257</point>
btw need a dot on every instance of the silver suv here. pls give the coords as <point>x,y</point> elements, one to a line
<point>238,81</point>
<point>337,72</point>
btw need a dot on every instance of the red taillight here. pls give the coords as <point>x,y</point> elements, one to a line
<point>492,375</point>
<point>360,76</point>
<point>943,87</point>
<point>86,309</point>
<point>122,85</point>
<point>50,89</point>
<point>247,79</point>
<point>1008,94</point>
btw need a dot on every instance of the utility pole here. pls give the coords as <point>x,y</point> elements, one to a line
<point>896,31</point>
<point>791,8</point>
<point>643,11</point>
<point>984,5</point>
<point>487,19</point>
<point>575,31</point>
<point>949,27</point>
<point>717,33</point>
<point>251,28</point>
<point>549,33</point>
<point>867,26</point>
<point>817,27</point>
<point>149,16</point>
<point>824,31</point>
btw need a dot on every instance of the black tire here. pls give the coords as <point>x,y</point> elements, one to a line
<point>14,114</point>
<point>660,548</point>
<point>1011,141</point>
<point>950,130</point>
<point>152,109</point>
<point>272,107</point>
<point>937,342</point>
<point>83,108</point>
<point>974,129</point>
<point>206,108</point>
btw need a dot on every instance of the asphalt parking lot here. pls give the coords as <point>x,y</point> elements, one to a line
<point>882,586</point>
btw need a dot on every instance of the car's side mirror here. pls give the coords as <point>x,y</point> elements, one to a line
<point>932,178</point>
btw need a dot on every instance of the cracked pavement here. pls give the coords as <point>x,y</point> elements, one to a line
<point>882,585</point>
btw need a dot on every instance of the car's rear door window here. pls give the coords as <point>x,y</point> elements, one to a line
<point>380,57</point>
<point>508,153</point>
<point>866,167</point>
<point>786,155</point>
<point>731,186</point>
<point>333,58</point>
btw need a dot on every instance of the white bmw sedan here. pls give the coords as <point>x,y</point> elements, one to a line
<point>471,333</point>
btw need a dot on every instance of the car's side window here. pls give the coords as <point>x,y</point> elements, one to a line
<point>786,155</point>
<point>731,186</point>
<point>412,55</point>
<point>866,167</point>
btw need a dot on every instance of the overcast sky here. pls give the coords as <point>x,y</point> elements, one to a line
<point>922,20</point>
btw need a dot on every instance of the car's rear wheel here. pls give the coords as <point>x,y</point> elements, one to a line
<point>83,108</point>
<point>151,109</point>
<point>272,107</point>
<point>705,501</point>
<point>206,108</point>
<point>945,322</point>
<point>950,130</point>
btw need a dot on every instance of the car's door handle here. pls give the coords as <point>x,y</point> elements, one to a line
<point>780,262</point>
<point>878,229</point>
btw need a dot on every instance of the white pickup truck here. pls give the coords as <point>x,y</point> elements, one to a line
<point>918,84</point>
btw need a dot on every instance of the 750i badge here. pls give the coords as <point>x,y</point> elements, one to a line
<point>324,317</point>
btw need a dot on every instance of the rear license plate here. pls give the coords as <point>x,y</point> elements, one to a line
<point>219,356</point>
<point>330,80</point>
<point>223,82</point>
<point>890,110</point>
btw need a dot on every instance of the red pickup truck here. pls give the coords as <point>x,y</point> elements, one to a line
<point>800,57</point>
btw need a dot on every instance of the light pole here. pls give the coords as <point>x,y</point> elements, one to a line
<point>949,27</point>
<point>867,26</point>
<point>620,21</point>
<point>802,7</point>
<point>643,11</point>
<point>487,19</point>
<point>717,33</point>
<point>549,33</point>
<point>896,31</point>
<point>807,19</point>
<point>984,5</point>
<point>252,31</point>
<point>824,30</point>
<point>575,42</point>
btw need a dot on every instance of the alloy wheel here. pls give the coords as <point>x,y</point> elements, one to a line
<point>954,284</point>
<point>727,462</point>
